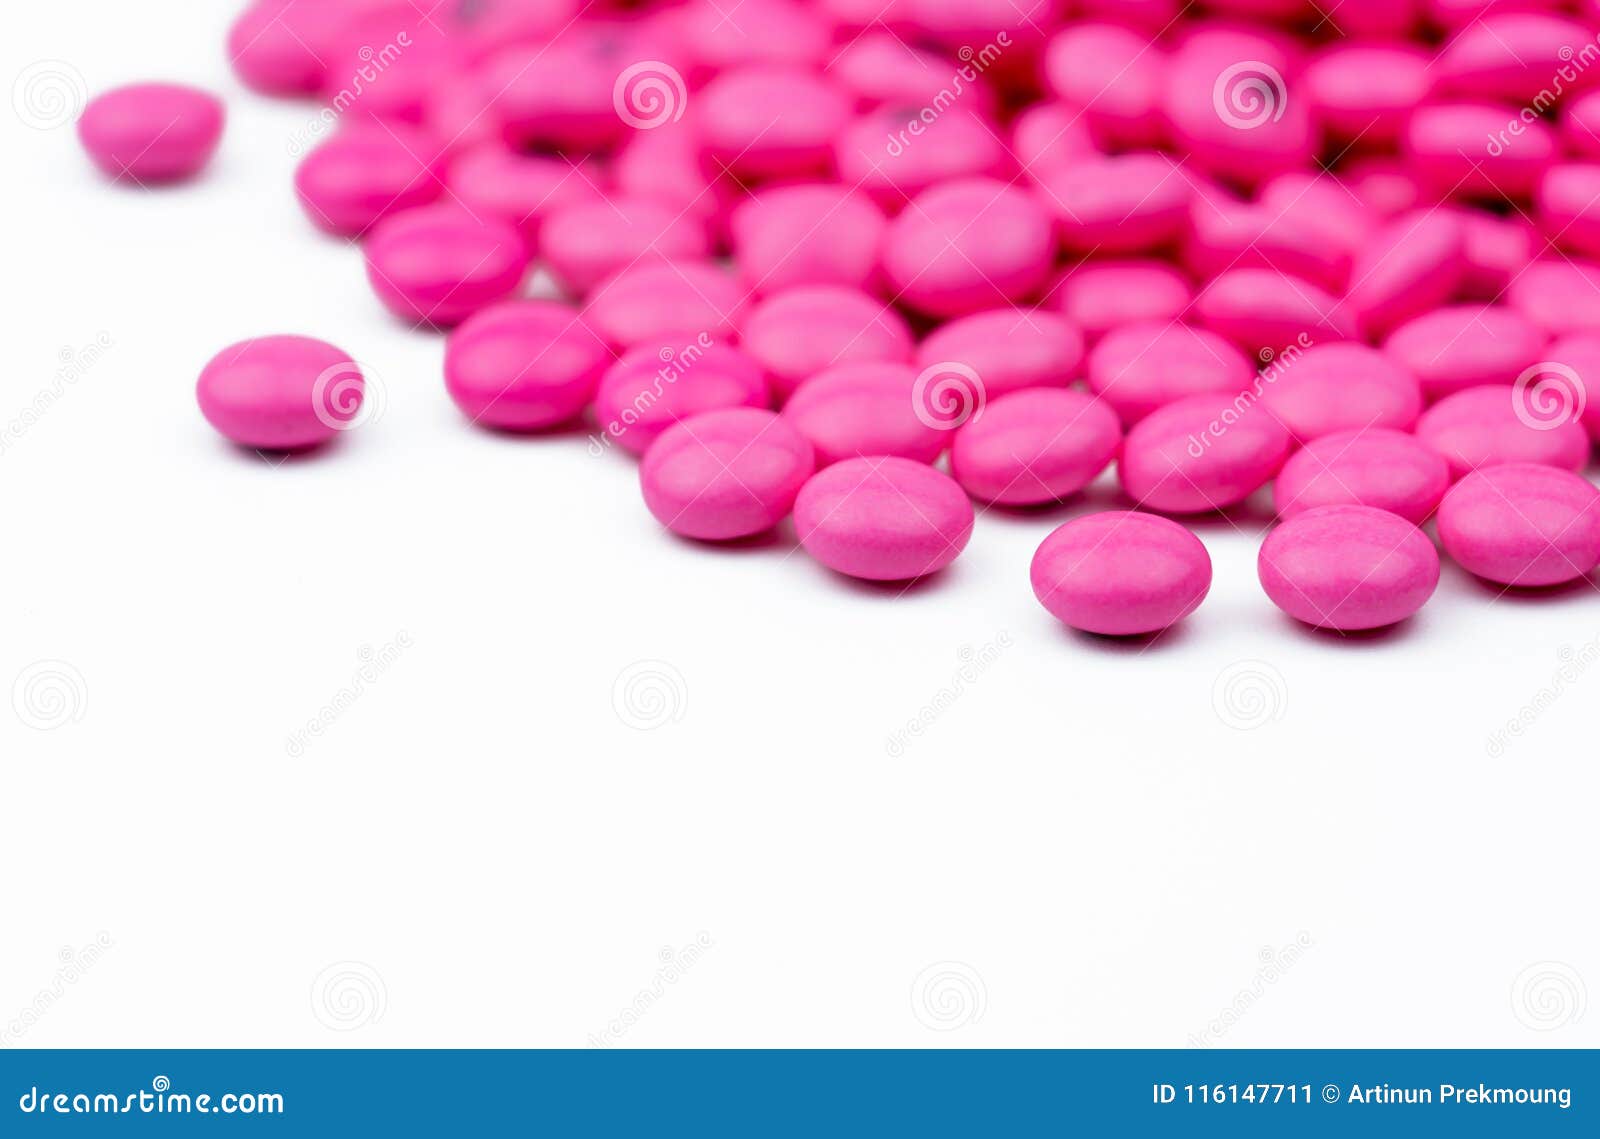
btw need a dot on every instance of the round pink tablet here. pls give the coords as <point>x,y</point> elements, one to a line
<point>779,32</point>
<point>766,122</point>
<point>654,298</point>
<point>1580,125</point>
<point>868,408</point>
<point>1203,453</point>
<point>280,47</point>
<point>1140,367</point>
<point>1487,426</point>
<point>1462,346</point>
<point>1114,74</point>
<point>1098,296</point>
<point>654,386</point>
<point>1232,111</point>
<point>725,474</point>
<point>1386,186</point>
<point>1513,56</point>
<point>1568,381</point>
<point>1566,200</point>
<point>968,245</point>
<point>1047,135</point>
<point>665,165</point>
<point>1411,265</point>
<point>807,234</point>
<point>1522,524</point>
<point>1227,234</point>
<point>521,189</point>
<point>883,518</point>
<point>894,153</point>
<point>1366,91</point>
<point>880,69</point>
<point>281,393</point>
<point>1339,386</point>
<point>585,243</point>
<point>523,365</point>
<point>152,132</point>
<point>1127,203</point>
<point>1496,250</point>
<point>564,94</point>
<point>800,332</point>
<point>1009,349</point>
<point>1121,573</point>
<point>437,265</point>
<point>1374,466</point>
<point>1265,311</point>
<point>1559,295</point>
<point>1477,149</point>
<point>1323,205</point>
<point>1348,568</point>
<point>365,173</point>
<point>1035,446</point>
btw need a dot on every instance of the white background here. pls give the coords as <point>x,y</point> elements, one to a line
<point>1092,844</point>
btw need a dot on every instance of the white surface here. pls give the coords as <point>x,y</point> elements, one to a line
<point>1097,855</point>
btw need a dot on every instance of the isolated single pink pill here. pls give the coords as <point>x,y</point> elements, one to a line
<point>1201,454</point>
<point>725,474</point>
<point>524,365</point>
<point>1522,524</point>
<point>1098,296</point>
<point>807,234</point>
<point>799,333</point>
<point>437,265</point>
<point>1121,573</point>
<point>1008,348</point>
<point>1375,466</point>
<point>1141,367</point>
<point>1127,203</point>
<point>281,393</point>
<point>1487,426</point>
<point>1265,311</point>
<point>1035,446</point>
<point>870,408</point>
<point>521,189</point>
<point>152,132</point>
<point>1339,386</point>
<point>883,518</point>
<point>1458,347</point>
<point>365,173</point>
<point>1348,568</point>
<point>651,387</point>
<point>654,298</point>
<point>585,243</point>
<point>1559,295</point>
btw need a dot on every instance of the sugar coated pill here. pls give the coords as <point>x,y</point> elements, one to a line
<point>1522,524</point>
<point>1485,426</point>
<point>1373,466</point>
<point>1464,346</point>
<point>883,518</point>
<point>1264,311</point>
<point>281,393</point>
<point>1141,367</point>
<point>1337,387</point>
<point>1121,573</point>
<point>871,408</point>
<point>587,242</point>
<point>1204,453</point>
<point>1127,203</point>
<point>151,132</point>
<point>1414,263</point>
<point>524,365</point>
<point>437,265</point>
<point>801,332</point>
<point>1009,349</point>
<point>653,298</point>
<point>1098,296</point>
<point>807,234</point>
<point>1559,295</point>
<point>1348,568</point>
<point>1035,446</point>
<point>365,173</point>
<point>725,474</point>
<point>651,387</point>
<point>521,189</point>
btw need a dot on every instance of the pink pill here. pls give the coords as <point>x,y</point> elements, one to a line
<point>523,365</point>
<point>883,518</point>
<point>894,154</point>
<point>1568,379</point>
<point>968,245</point>
<point>280,47</point>
<point>1522,524</point>
<point>563,95</point>
<point>765,122</point>
<point>1009,349</point>
<point>1477,150</point>
<point>1484,427</point>
<point>1452,15</point>
<point>365,173</point>
<point>1265,311</point>
<point>1114,74</point>
<point>1348,568</point>
<point>1496,250</point>
<point>1512,56</point>
<point>521,189</point>
<point>1234,114</point>
<point>880,69</point>
<point>1047,135</point>
<point>585,243</point>
<point>1566,205</point>
<point>1463,346</point>
<point>870,408</point>
<point>807,234</point>
<point>1146,15</point>
<point>1580,124</point>
<point>281,393</point>
<point>1225,234</point>
<point>1035,446</point>
<point>1366,91</point>
<point>725,474</point>
<point>1413,264</point>
<point>1558,295</point>
<point>654,386</point>
<point>1140,367</point>
<point>654,299</point>
<point>778,32</point>
<point>397,40</point>
<point>1339,386</point>
<point>664,164</point>
<point>1099,296</point>
<point>151,132</point>
<point>437,265</point>
<point>1386,186</point>
<point>1129,203</point>
<point>799,333</point>
<point>1374,466</point>
<point>1121,573</point>
<point>1200,454</point>
<point>1323,205</point>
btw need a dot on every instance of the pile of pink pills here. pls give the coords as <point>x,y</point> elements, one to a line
<point>875,271</point>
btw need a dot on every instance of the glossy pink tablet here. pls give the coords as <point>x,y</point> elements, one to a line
<point>152,132</point>
<point>524,365</point>
<point>1129,203</point>
<point>654,298</point>
<point>1348,568</point>
<point>1487,426</point>
<point>521,189</point>
<point>867,408</point>
<point>653,386</point>
<point>883,518</point>
<point>365,173</point>
<point>1047,135</point>
<point>1265,311</point>
<point>798,333</point>
<point>894,153</point>
<point>1522,524</point>
<point>1477,150</point>
<point>1232,110</point>
<point>1200,454</point>
<point>1035,446</point>
<point>436,265</point>
<point>725,474</point>
<point>879,69</point>
<point>812,233</point>
<point>281,393</point>
<point>1375,466</point>
<point>1567,204</point>
<point>1098,296</point>
<point>1323,205</point>
<point>281,47</point>
<point>1413,264</point>
<point>1513,56</point>
<point>1339,386</point>
<point>1366,91</point>
<point>1114,74</point>
<point>1140,367</point>
<point>1463,346</point>
<point>1560,295</point>
<point>585,243</point>
<point>1121,573</point>
<point>762,121</point>
<point>564,95</point>
<point>1009,349</point>
<point>1226,234</point>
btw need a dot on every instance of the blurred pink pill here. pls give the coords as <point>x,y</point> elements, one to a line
<point>1463,346</point>
<point>1226,234</point>
<point>281,393</point>
<point>1386,186</point>
<point>365,173</point>
<point>880,69</point>
<point>1465,150</point>
<point>1047,135</point>
<point>520,189</point>
<point>280,47</point>
<point>1140,367</point>
<point>807,234</point>
<point>1567,202</point>
<point>1265,311</point>
<point>1366,91</point>
<point>1114,74</point>
<point>968,245</point>
<point>1568,379</point>
<point>585,243</point>
<point>1098,296</point>
<point>152,132</point>
<point>1234,114</point>
<point>1316,202</point>
<point>1522,524</point>
<point>1200,454</point>
<point>654,298</point>
<point>1009,349</point>
<point>523,365</point>
<point>883,518</point>
<point>1411,265</point>
<point>1512,56</point>
<point>894,154</point>
<point>1146,15</point>
<point>768,31</point>
<point>801,332</point>
<point>1121,573</point>
<point>395,39</point>
<point>1495,250</point>
<point>654,386</point>
<point>725,474</point>
<point>1487,426</point>
<point>438,265</point>
<point>1035,446</point>
<point>1339,386</point>
<point>766,122</point>
<point>868,408</point>
<point>1580,125</point>
<point>1129,203</point>
<point>1374,466</point>
<point>566,94</point>
<point>1558,295</point>
<point>665,165</point>
<point>1348,568</point>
